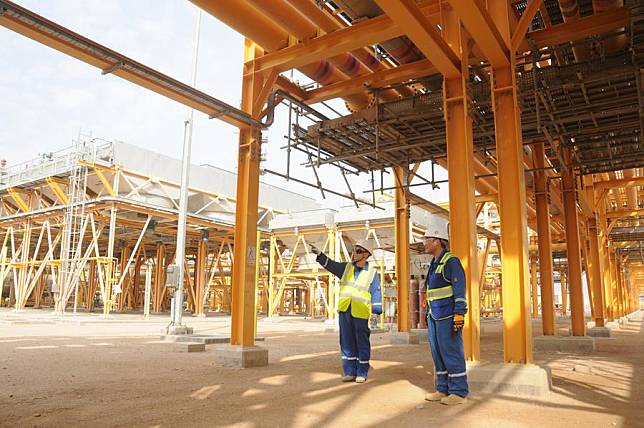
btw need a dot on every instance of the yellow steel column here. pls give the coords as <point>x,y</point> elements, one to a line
<point>585,269</point>
<point>595,277</point>
<point>110,279</point>
<point>620,286</point>
<point>614,307</point>
<point>159,278</point>
<point>573,249</point>
<point>21,287</point>
<point>272,270</point>
<point>544,240</point>
<point>533,280</point>
<point>460,168</point>
<point>604,259</point>
<point>401,236</point>
<point>517,328</point>
<point>245,249</point>
<point>564,293</point>
<point>200,276</point>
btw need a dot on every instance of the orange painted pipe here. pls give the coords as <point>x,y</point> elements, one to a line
<point>246,20</point>
<point>290,19</point>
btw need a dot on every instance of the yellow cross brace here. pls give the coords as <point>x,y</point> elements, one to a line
<point>21,202</point>
<point>58,191</point>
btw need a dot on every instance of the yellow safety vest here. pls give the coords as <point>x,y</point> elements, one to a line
<point>441,292</point>
<point>355,291</point>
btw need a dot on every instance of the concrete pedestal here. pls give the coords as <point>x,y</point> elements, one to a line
<point>510,379</point>
<point>190,338</point>
<point>240,356</point>
<point>421,333</point>
<point>564,344</point>
<point>612,324</point>
<point>189,347</point>
<point>598,332</point>
<point>178,329</point>
<point>403,338</point>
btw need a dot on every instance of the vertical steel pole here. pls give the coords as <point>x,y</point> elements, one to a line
<point>183,198</point>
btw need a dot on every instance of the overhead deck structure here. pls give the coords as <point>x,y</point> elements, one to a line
<point>535,105</point>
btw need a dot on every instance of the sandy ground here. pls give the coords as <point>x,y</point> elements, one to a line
<point>92,372</point>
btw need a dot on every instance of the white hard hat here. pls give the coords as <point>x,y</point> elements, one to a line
<point>367,244</point>
<point>438,227</point>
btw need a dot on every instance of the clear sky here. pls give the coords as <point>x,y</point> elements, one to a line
<point>46,97</point>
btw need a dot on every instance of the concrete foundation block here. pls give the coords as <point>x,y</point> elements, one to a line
<point>189,347</point>
<point>403,338</point>
<point>598,332</point>
<point>190,338</point>
<point>564,344</point>
<point>178,329</point>
<point>510,379</point>
<point>240,356</point>
<point>421,333</point>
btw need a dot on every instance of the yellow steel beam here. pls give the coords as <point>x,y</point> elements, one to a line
<point>594,265</point>
<point>401,245</point>
<point>581,28</point>
<point>106,183</point>
<point>15,195</point>
<point>524,24</point>
<point>573,250</point>
<point>460,169</point>
<point>517,326</point>
<point>245,248</point>
<point>625,213</point>
<point>365,33</point>
<point>55,187</point>
<point>604,256</point>
<point>533,283</point>
<point>421,31</point>
<point>326,46</point>
<point>286,85</point>
<point>619,183</point>
<point>545,240</point>
<point>482,27</point>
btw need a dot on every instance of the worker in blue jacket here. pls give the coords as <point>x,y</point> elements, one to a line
<point>445,294</point>
<point>360,296</point>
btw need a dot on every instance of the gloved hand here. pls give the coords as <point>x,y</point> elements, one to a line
<point>458,322</point>
<point>315,250</point>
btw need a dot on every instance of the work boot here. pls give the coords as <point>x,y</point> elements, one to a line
<point>361,379</point>
<point>452,399</point>
<point>348,378</point>
<point>435,396</point>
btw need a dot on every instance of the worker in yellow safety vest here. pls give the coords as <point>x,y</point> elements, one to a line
<point>447,306</point>
<point>360,296</point>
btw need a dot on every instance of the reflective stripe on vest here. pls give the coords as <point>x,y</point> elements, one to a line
<point>355,291</point>
<point>443,292</point>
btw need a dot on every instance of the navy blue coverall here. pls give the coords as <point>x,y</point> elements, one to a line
<point>447,345</point>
